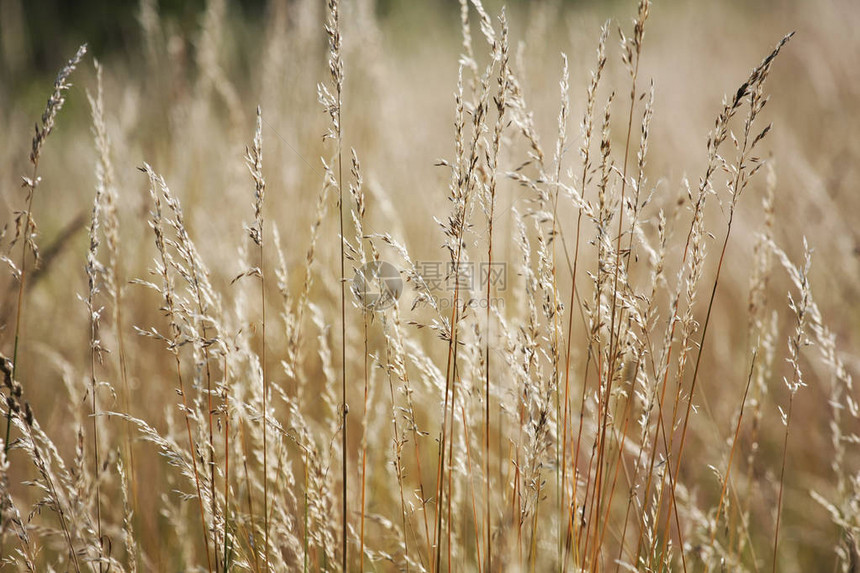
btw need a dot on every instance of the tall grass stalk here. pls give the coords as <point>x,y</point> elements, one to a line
<point>561,410</point>
<point>164,266</point>
<point>95,353</point>
<point>334,105</point>
<point>631,56</point>
<point>585,155</point>
<point>358,217</point>
<point>254,160</point>
<point>501,101</point>
<point>113,274</point>
<point>746,167</point>
<point>801,308</point>
<point>24,220</point>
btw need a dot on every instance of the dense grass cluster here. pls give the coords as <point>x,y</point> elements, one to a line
<point>595,363</point>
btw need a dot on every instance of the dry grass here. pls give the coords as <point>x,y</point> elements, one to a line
<point>662,381</point>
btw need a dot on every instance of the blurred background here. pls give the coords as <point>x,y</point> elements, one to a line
<point>703,48</point>
<point>404,61</point>
<point>183,79</point>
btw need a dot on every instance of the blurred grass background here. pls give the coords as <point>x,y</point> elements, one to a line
<point>400,78</point>
<point>695,53</point>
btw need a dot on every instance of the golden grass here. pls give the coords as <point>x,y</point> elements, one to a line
<point>654,386</point>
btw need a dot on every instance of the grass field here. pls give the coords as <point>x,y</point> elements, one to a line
<point>618,333</point>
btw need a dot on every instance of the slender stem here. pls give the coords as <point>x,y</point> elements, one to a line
<point>226,464</point>
<point>415,438</point>
<point>398,465</point>
<point>732,452</point>
<point>613,335</point>
<point>487,502</point>
<point>559,472</point>
<point>193,458</point>
<point>455,377</point>
<point>782,481</point>
<point>123,368</point>
<point>364,439</point>
<point>472,489</point>
<point>210,409</point>
<point>21,286</point>
<point>619,461</point>
<point>96,461</point>
<point>450,371</point>
<point>265,399</point>
<point>253,531</point>
<point>307,517</point>
<point>344,407</point>
<point>211,445</point>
